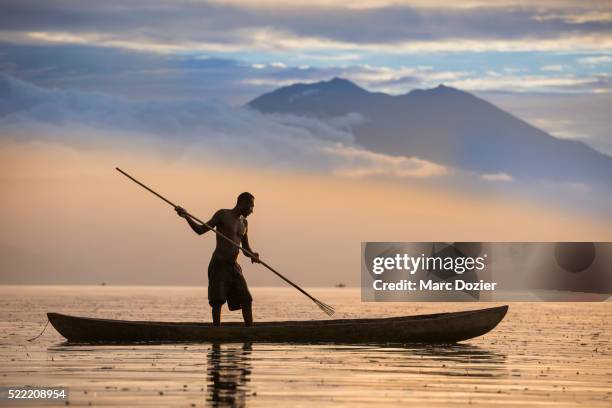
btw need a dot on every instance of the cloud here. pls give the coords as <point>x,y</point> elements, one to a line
<point>578,18</point>
<point>269,40</point>
<point>560,128</point>
<point>363,163</point>
<point>194,130</point>
<point>446,4</point>
<point>392,27</point>
<point>375,78</point>
<point>552,68</point>
<point>571,116</point>
<point>154,77</point>
<point>149,75</point>
<point>570,83</point>
<point>598,60</point>
<point>497,177</point>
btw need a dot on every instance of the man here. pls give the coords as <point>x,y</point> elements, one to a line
<point>225,280</point>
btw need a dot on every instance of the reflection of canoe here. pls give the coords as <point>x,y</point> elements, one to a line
<point>434,328</point>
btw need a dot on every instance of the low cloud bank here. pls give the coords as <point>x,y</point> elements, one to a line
<point>195,130</point>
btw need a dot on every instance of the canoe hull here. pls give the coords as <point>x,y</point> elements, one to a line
<point>436,328</point>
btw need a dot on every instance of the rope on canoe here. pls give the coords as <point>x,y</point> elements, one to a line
<point>41,333</point>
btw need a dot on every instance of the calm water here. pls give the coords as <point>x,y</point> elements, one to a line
<point>541,354</point>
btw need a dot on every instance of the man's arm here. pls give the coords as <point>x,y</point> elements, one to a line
<point>245,245</point>
<point>196,227</point>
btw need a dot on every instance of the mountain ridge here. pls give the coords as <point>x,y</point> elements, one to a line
<point>445,125</point>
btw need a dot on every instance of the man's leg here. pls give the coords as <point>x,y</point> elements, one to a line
<point>247,314</point>
<point>216,312</point>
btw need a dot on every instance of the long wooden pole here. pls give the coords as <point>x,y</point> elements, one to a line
<point>329,310</point>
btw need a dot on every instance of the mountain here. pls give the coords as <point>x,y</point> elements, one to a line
<point>447,126</point>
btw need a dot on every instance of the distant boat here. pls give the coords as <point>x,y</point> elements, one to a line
<point>433,328</point>
<point>340,285</point>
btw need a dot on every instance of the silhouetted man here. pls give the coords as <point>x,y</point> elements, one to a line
<point>225,280</point>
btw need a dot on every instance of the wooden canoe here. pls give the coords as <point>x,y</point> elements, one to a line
<point>433,328</point>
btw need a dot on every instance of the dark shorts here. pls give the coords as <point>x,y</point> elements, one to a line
<point>226,284</point>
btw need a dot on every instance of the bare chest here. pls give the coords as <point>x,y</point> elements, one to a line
<point>233,226</point>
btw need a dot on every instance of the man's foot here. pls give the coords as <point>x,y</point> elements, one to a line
<point>247,315</point>
<point>216,314</point>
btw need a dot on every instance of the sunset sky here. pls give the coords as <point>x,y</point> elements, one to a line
<point>159,89</point>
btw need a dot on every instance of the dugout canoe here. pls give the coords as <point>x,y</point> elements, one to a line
<point>433,328</point>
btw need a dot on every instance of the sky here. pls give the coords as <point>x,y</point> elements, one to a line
<point>160,87</point>
<point>522,55</point>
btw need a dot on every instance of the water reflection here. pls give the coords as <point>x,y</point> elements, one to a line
<point>228,373</point>
<point>461,353</point>
<point>461,360</point>
<point>451,360</point>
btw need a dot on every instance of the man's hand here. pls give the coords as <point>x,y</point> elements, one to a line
<point>255,258</point>
<point>181,212</point>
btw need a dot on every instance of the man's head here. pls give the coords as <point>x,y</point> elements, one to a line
<point>245,204</point>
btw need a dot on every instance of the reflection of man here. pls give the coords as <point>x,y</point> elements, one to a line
<point>225,280</point>
<point>229,371</point>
